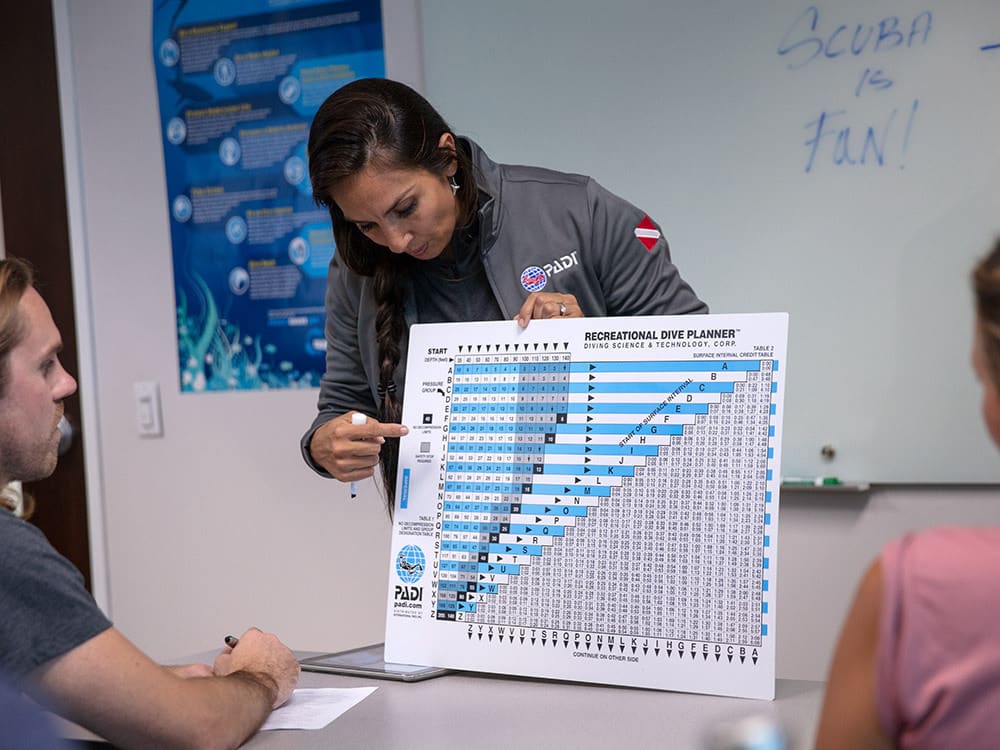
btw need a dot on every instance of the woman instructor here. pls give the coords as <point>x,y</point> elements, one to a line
<point>428,229</point>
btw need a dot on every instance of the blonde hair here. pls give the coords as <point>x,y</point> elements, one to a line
<point>17,500</point>
<point>15,278</point>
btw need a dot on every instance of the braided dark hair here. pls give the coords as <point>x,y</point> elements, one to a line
<point>382,123</point>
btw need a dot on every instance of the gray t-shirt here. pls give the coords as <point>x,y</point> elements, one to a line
<point>45,611</point>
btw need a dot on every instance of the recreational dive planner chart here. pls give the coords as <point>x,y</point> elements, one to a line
<point>592,499</point>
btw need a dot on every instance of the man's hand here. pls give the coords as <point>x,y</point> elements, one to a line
<point>261,655</point>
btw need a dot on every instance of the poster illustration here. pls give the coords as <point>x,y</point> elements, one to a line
<point>238,84</point>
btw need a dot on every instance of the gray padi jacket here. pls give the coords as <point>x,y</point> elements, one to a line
<point>539,230</point>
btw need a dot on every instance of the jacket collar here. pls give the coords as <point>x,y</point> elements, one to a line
<point>488,180</point>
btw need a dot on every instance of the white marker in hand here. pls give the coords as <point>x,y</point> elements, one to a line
<point>356,418</point>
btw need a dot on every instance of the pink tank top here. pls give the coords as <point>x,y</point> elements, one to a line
<point>938,657</point>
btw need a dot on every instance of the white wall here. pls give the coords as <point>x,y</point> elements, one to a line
<point>219,524</point>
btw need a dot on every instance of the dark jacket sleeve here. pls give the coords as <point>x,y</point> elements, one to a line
<point>345,385</point>
<point>635,279</point>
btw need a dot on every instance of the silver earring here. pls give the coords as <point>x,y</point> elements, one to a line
<point>454,184</point>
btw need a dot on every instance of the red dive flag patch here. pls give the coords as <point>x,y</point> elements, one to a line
<point>647,233</point>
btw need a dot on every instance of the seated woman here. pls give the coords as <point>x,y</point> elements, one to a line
<point>918,661</point>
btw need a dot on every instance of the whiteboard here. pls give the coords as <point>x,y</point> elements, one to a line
<point>836,161</point>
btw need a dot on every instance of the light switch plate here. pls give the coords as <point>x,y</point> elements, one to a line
<point>149,420</point>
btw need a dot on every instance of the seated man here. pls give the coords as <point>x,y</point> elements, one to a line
<point>53,638</point>
<point>23,725</point>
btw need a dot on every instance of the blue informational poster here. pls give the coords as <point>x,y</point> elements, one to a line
<point>239,82</point>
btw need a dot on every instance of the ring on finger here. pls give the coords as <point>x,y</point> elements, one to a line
<point>562,309</point>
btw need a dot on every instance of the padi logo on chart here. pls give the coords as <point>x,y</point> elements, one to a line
<point>534,279</point>
<point>410,566</point>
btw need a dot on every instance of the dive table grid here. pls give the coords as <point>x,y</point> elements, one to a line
<point>614,498</point>
<point>592,500</point>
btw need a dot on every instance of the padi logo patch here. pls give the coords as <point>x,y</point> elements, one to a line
<point>534,279</point>
<point>556,265</point>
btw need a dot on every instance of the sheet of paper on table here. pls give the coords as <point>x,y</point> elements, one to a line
<point>314,708</point>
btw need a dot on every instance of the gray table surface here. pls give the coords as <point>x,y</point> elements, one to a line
<point>483,712</point>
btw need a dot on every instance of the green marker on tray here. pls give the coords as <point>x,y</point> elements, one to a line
<point>807,482</point>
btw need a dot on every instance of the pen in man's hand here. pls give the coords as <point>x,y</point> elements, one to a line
<point>231,641</point>
<point>356,418</point>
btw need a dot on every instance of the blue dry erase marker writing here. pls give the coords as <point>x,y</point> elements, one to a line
<point>356,418</point>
